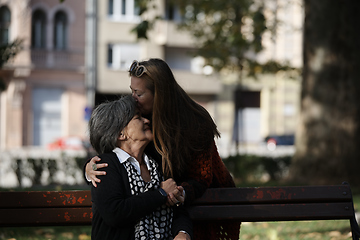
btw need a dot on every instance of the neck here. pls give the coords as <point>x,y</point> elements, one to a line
<point>134,150</point>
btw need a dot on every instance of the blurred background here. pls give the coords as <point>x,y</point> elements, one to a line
<point>279,77</point>
<point>68,56</point>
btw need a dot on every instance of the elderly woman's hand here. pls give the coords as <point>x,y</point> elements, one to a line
<point>91,170</point>
<point>182,236</point>
<point>175,193</point>
<point>171,190</point>
<point>177,197</point>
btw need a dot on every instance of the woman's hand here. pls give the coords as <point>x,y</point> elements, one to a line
<point>176,197</point>
<point>91,173</point>
<point>182,236</point>
<point>169,186</point>
<point>175,193</point>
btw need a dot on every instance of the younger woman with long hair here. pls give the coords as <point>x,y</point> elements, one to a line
<point>184,135</point>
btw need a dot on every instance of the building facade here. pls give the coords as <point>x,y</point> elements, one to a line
<point>117,47</point>
<point>76,54</point>
<point>45,95</point>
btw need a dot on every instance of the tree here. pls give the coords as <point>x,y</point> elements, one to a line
<point>329,130</point>
<point>8,52</point>
<point>228,33</point>
<point>328,138</point>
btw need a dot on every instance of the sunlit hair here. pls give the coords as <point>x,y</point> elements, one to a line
<point>108,120</point>
<point>182,128</point>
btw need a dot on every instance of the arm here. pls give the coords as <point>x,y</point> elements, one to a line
<point>207,170</point>
<point>90,175</point>
<point>182,236</point>
<point>200,176</point>
<point>182,222</point>
<point>114,201</point>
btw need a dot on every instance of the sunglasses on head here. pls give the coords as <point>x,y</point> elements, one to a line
<point>136,69</point>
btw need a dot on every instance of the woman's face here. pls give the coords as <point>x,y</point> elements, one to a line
<point>138,130</point>
<point>143,96</point>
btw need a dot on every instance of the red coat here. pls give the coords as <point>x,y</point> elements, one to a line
<point>209,170</point>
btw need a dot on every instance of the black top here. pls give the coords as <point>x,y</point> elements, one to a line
<point>116,211</point>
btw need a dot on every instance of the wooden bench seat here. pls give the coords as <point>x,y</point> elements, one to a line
<point>253,204</point>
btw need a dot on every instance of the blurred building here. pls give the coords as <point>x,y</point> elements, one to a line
<point>45,95</point>
<point>273,106</point>
<point>77,54</point>
<point>117,47</point>
<point>252,109</point>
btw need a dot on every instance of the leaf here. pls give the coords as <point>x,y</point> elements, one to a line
<point>8,51</point>
<point>141,29</point>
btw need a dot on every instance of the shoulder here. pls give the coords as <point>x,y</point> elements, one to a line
<point>108,157</point>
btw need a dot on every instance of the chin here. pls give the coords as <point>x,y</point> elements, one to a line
<point>151,137</point>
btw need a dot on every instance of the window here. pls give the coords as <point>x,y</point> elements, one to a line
<point>60,31</point>
<point>120,56</point>
<point>123,10</point>
<point>47,107</point>
<point>5,18</point>
<point>111,8</point>
<point>38,29</point>
<point>172,12</point>
<point>110,55</point>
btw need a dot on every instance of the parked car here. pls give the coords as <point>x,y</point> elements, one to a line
<point>67,143</point>
<point>273,141</point>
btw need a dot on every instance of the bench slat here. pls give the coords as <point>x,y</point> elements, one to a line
<point>260,212</point>
<point>45,217</point>
<point>219,196</point>
<point>67,208</point>
<point>244,213</point>
<point>45,199</point>
<point>338,193</point>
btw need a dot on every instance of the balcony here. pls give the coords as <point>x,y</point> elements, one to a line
<point>54,59</point>
<point>167,33</point>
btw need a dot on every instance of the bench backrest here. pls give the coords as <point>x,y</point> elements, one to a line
<point>244,204</point>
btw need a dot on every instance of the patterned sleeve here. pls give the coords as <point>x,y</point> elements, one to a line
<point>207,170</point>
<point>200,176</point>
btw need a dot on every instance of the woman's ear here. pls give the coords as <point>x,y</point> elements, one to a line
<point>122,136</point>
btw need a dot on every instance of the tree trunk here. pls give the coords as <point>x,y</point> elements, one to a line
<point>328,136</point>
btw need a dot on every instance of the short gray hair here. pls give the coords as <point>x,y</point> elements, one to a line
<point>108,120</point>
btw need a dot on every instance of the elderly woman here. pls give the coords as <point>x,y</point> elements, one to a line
<point>130,201</point>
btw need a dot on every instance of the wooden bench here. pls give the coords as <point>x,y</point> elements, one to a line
<point>253,204</point>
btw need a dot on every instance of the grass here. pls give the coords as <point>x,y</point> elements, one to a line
<point>304,230</point>
<point>46,233</point>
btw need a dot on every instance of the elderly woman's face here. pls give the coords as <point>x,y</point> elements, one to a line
<point>138,130</point>
<point>143,96</point>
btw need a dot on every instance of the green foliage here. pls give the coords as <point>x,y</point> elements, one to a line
<point>8,52</point>
<point>251,168</point>
<point>141,29</point>
<point>225,30</point>
<point>145,25</point>
<point>228,33</point>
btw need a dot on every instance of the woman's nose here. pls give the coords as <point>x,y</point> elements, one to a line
<point>134,96</point>
<point>146,120</point>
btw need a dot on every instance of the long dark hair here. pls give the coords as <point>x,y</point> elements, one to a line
<point>182,128</point>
